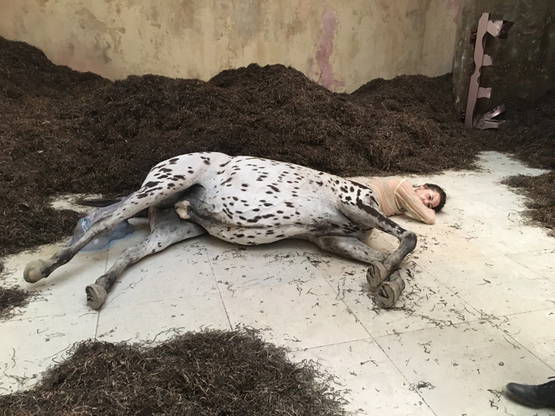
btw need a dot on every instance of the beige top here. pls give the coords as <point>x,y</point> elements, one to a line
<point>397,196</point>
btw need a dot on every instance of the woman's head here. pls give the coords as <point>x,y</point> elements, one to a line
<point>432,195</point>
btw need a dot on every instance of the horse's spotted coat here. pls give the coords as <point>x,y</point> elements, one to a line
<point>250,201</point>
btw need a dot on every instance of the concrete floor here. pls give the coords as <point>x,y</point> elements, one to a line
<point>478,310</point>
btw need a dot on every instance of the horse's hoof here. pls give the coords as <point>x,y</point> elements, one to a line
<point>35,270</point>
<point>375,275</point>
<point>389,293</point>
<point>96,296</point>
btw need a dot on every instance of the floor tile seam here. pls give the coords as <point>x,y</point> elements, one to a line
<point>465,302</point>
<point>403,375</point>
<point>218,289</point>
<point>510,315</point>
<point>545,250</point>
<point>509,256</point>
<point>347,307</point>
<point>498,326</point>
<point>112,304</point>
<point>256,285</point>
<point>495,326</point>
<point>483,316</point>
<point>412,331</point>
<point>513,225</point>
<point>315,347</point>
<point>97,325</point>
<point>434,273</point>
<point>532,353</point>
<point>34,317</point>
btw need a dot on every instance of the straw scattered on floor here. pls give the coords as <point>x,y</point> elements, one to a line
<point>205,373</point>
<point>11,298</point>
<point>540,191</point>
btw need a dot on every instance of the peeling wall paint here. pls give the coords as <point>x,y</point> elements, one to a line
<point>341,45</point>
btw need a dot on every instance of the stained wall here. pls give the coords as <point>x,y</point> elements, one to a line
<point>340,44</point>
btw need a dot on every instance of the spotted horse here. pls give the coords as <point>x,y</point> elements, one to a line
<point>249,201</point>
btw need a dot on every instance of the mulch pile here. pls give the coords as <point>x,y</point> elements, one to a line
<point>10,298</point>
<point>62,131</point>
<point>541,193</point>
<point>221,373</point>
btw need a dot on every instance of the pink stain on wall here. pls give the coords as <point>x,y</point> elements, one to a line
<point>325,49</point>
<point>456,8</point>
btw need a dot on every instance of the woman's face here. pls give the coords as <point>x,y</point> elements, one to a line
<point>428,197</point>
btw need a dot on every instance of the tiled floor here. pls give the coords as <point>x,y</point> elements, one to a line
<point>478,310</point>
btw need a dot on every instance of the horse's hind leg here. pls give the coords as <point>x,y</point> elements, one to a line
<point>135,203</point>
<point>166,229</point>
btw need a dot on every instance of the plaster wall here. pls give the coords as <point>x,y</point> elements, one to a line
<point>340,44</point>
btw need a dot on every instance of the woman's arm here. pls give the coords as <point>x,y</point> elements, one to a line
<point>410,203</point>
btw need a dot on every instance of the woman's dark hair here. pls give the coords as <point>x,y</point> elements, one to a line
<point>442,195</point>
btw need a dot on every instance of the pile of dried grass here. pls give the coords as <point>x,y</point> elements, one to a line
<point>541,191</point>
<point>10,298</point>
<point>204,373</point>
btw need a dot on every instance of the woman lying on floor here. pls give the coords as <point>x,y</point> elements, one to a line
<point>398,196</point>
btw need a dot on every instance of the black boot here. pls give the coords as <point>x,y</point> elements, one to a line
<point>542,395</point>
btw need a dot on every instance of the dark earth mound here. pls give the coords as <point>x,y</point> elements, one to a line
<point>62,131</point>
<point>10,298</point>
<point>541,193</point>
<point>205,373</point>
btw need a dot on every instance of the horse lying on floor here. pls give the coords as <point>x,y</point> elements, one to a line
<point>249,201</point>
